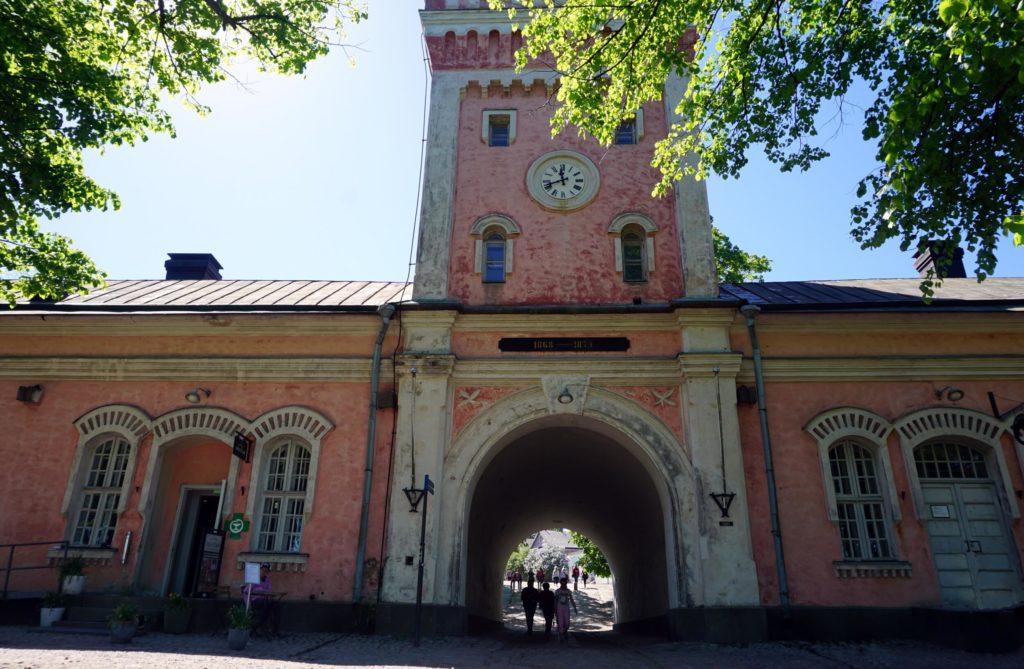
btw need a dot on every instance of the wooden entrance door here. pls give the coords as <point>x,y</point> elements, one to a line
<point>971,545</point>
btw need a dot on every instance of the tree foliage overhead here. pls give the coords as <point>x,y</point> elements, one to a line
<point>733,264</point>
<point>944,78</point>
<point>517,559</point>
<point>87,74</point>
<point>592,560</point>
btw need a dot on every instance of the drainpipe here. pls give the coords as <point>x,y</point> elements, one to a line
<point>386,311</point>
<point>751,311</point>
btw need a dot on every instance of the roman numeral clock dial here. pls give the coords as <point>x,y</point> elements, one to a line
<point>562,180</point>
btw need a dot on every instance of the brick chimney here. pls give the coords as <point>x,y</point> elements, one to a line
<point>192,266</point>
<point>946,260</point>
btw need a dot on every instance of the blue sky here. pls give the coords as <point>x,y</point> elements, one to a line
<point>317,177</point>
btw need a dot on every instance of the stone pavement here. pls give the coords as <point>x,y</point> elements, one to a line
<point>21,648</point>
<point>592,646</point>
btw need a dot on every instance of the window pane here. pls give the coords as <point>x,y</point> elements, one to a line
<point>300,469</point>
<point>632,257</point>
<point>949,461</point>
<point>494,271</point>
<point>270,519</point>
<point>626,132</point>
<point>849,533</point>
<point>498,133</point>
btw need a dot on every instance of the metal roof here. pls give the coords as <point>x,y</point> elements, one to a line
<point>283,295</point>
<point>209,294</point>
<point>892,293</point>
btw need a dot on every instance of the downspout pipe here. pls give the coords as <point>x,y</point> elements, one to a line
<point>386,311</point>
<point>751,311</point>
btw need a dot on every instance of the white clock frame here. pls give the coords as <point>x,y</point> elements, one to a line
<point>590,186</point>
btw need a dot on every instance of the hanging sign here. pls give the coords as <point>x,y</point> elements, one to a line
<point>240,449</point>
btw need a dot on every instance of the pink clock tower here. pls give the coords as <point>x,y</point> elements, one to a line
<point>512,216</point>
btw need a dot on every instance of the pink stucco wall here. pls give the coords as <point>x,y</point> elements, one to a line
<point>40,441</point>
<point>560,257</point>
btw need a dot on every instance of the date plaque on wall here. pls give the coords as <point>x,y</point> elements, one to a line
<point>562,344</point>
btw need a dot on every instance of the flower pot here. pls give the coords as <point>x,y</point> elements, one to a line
<point>122,632</point>
<point>237,638</point>
<point>73,585</point>
<point>48,617</point>
<point>176,620</point>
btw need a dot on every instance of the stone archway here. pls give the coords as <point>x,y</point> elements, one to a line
<point>633,494</point>
<point>574,476</point>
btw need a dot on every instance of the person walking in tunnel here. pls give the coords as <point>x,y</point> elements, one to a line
<point>585,577</point>
<point>546,600</point>
<point>530,598</point>
<point>575,577</point>
<point>563,598</point>
<point>540,575</point>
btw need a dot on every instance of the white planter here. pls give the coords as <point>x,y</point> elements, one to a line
<point>48,617</point>
<point>73,585</point>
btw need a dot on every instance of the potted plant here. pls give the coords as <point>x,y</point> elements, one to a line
<point>52,609</point>
<point>239,624</point>
<point>177,612</point>
<point>123,623</point>
<point>72,575</point>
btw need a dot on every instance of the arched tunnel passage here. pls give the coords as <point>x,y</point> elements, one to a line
<point>569,476</point>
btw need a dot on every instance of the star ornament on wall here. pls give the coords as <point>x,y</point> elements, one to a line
<point>236,525</point>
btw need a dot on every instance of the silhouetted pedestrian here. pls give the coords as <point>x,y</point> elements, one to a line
<point>585,577</point>
<point>575,577</point>
<point>530,598</point>
<point>546,600</point>
<point>563,598</point>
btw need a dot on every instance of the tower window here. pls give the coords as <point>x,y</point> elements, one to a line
<point>494,257</point>
<point>499,127</point>
<point>626,132</point>
<point>631,130</point>
<point>498,132</point>
<point>633,256</point>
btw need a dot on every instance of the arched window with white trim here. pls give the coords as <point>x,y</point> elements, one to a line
<point>283,497</point>
<point>633,235</point>
<point>494,245</point>
<point>100,497</point>
<point>860,505</point>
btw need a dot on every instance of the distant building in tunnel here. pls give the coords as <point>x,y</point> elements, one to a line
<point>564,358</point>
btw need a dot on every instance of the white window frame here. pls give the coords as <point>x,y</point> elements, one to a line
<point>860,500</point>
<point>284,494</point>
<point>650,229</point>
<point>869,430</point>
<point>95,428</point>
<point>479,229</point>
<point>307,427</point>
<point>485,130</point>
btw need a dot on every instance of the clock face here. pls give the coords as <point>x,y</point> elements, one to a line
<point>562,180</point>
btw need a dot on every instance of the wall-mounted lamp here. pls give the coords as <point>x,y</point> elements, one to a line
<point>30,394</point>
<point>196,396</point>
<point>566,397</point>
<point>950,393</point>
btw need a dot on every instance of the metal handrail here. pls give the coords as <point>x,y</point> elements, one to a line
<point>10,559</point>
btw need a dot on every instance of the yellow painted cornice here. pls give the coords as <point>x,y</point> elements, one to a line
<point>923,368</point>
<point>183,369</point>
<point>190,325</point>
<point>518,324</point>
<point>843,323</point>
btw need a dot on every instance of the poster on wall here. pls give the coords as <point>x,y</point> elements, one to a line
<point>208,569</point>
